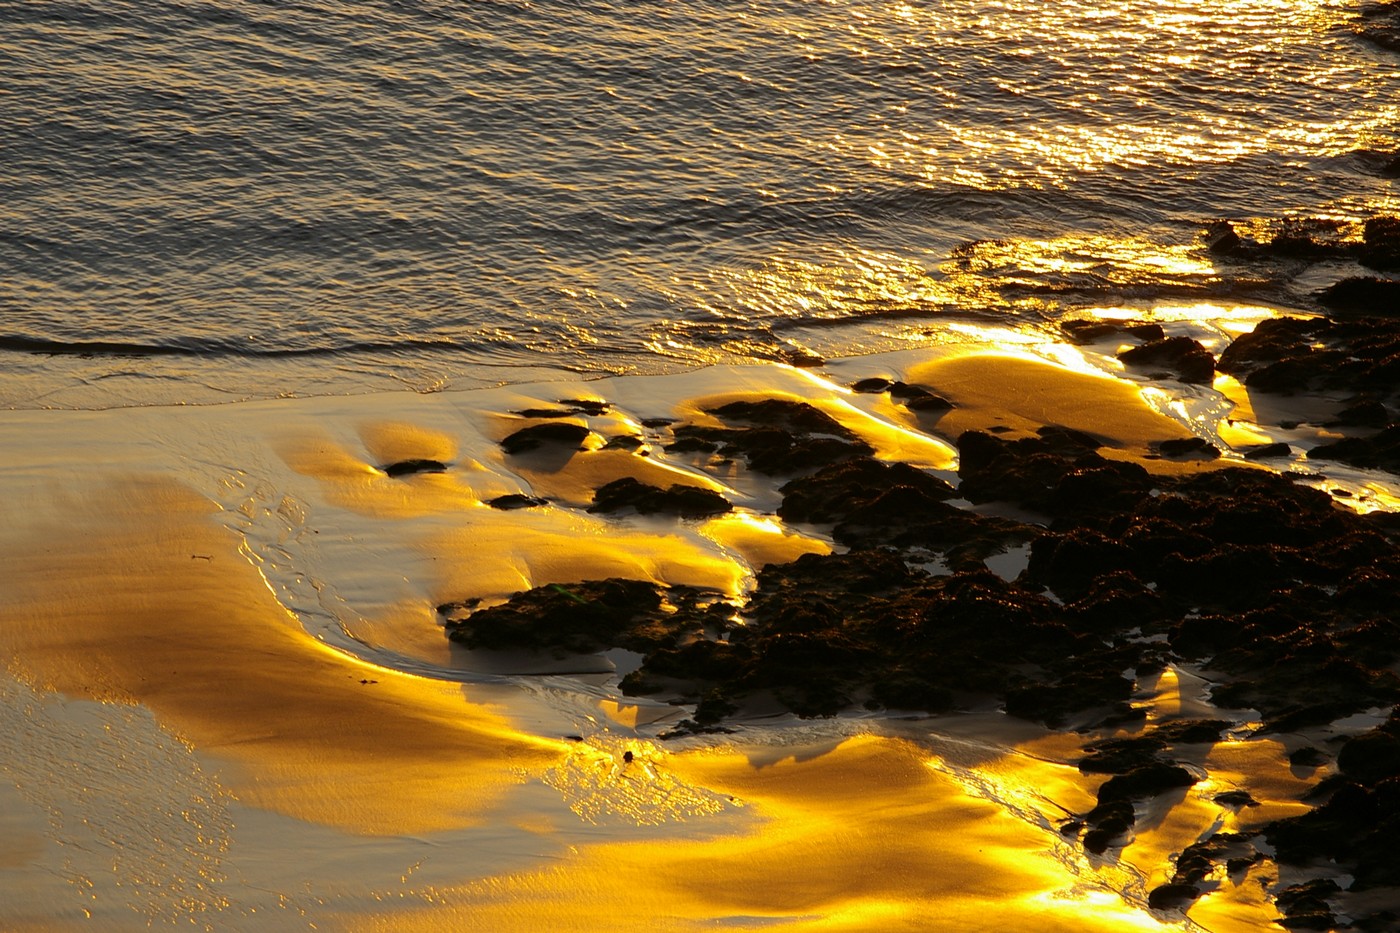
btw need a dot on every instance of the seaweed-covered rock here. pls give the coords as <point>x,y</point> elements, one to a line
<point>550,433</point>
<point>1181,356</point>
<point>1379,451</point>
<point>678,499</point>
<point>871,503</point>
<point>1371,757</point>
<point>583,617</point>
<point>1305,905</point>
<point>1088,331</point>
<point>1356,828</point>
<point>1058,472</point>
<point>1287,355</point>
<point>1381,244</point>
<point>1362,294</point>
<point>781,436</point>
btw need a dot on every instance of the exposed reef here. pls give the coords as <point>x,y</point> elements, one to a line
<point>1128,564</point>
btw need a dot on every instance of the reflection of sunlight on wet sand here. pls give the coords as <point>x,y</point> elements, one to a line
<point>497,555</point>
<point>759,540</point>
<point>1023,393</point>
<point>860,837</point>
<point>139,597</point>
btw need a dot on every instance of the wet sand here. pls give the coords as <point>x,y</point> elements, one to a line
<point>228,698</point>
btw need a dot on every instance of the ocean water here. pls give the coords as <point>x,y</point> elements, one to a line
<point>219,199</point>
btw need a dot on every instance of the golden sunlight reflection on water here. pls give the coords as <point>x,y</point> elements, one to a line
<point>1036,280</point>
<point>1114,55</point>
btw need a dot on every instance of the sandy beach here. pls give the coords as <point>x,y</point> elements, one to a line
<point>229,699</point>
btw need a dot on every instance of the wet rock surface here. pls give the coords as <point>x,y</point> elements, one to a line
<point>1295,355</point>
<point>1180,357</point>
<point>1286,597</point>
<point>564,434</point>
<point>774,436</point>
<point>686,501</point>
<point>1375,245</point>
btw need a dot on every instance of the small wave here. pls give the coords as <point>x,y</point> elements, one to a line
<point>53,347</point>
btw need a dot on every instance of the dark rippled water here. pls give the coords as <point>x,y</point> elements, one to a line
<point>427,187</point>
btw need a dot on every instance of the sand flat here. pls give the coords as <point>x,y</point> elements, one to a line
<point>242,592</point>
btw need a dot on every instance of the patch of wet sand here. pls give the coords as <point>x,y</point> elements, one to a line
<point>150,602</point>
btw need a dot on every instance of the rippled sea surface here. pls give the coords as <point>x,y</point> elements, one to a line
<point>238,195</point>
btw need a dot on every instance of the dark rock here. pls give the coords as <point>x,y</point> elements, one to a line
<point>929,402</point>
<point>407,467</point>
<point>1381,244</point>
<point>1309,920</point>
<point>784,413</point>
<point>1120,756</point>
<point>1379,451</point>
<point>874,384</point>
<point>1236,799</point>
<point>1308,238</point>
<point>1149,780</point>
<point>550,433</point>
<point>1370,758</point>
<point>1305,905</point>
<point>872,503</point>
<point>1082,332</point>
<point>1146,332</point>
<point>692,444</point>
<point>907,392</point>
<point>1362,294</point>
<point>1364,412</point>
<point>1072,563</point>
<point>1099,839</point>
<point>1191,731</point>
<point>1113,598</point>
<point>1268,452</point>
<point>624,442</point>
<point>1189,448</point>
<point>1221,238</point>
<point>786,437</point>
<point>1056,470</point>
<point>686,501</point>
<point>586,406</point>
<point>1182,356</point>
<point>1089,331</point>
<point>516,501</point>
<point>799,356</point>
<point>1308,757</point>
<point>1172,896</point>
<point>579,618</point>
